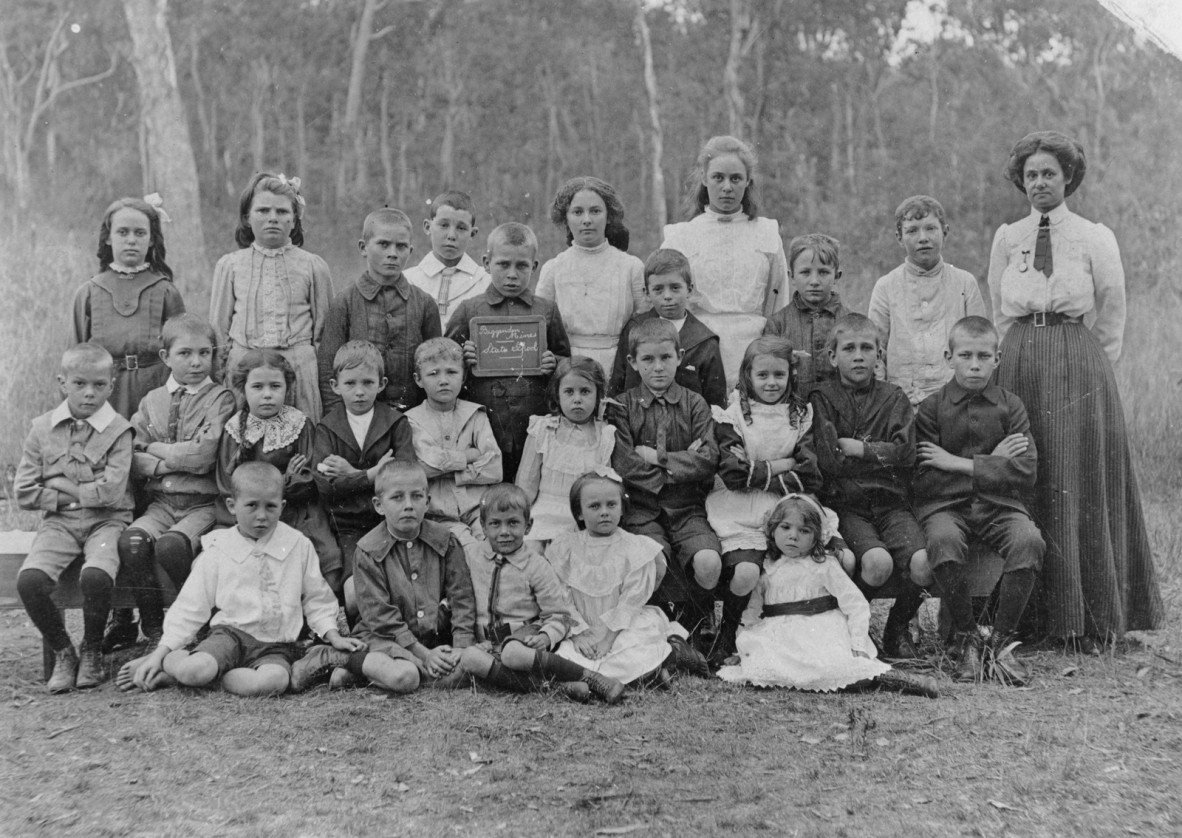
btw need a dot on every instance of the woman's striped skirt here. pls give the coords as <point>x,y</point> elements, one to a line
<point>1098,577</point>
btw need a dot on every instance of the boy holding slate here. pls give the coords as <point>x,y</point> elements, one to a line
<point>510,399</point>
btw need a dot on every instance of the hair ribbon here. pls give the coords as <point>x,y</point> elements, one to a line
<point>157,203</point>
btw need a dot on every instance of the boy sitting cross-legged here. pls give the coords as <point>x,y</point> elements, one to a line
<point>864,435</point>
<point>976,457</point>
<point>414,595</point>
<point>260,581</point>
<point>74,469</point>
<point>523,611</point>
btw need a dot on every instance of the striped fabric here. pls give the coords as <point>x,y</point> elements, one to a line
<point>1098,577</point>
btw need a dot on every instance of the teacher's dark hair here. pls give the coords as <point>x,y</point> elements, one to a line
<point>1067,151</point>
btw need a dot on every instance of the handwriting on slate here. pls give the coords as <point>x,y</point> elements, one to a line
<point>508,342</point>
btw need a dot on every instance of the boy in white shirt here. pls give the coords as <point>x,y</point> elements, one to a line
<point>916,305</point>
<point>263,578</point>
<point>448,273</point>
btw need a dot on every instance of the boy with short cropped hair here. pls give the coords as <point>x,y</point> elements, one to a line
<point>74,468</point>
<point>668,282</point>
<point>453,439</point>
<point>667,456</point>
<point>418,612</point>
<point>177,431</point>
<point>864,431</point>
<point>353,440</point>
<point>511,400</point>
<point>814,266</point>
<point>976,458</point>
<point>383,308</point>
<point>256,584</point>
<point>448,274</point>
<point>916,304</point>
<point>522,610</point>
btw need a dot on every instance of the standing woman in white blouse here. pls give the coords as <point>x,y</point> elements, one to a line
<point>1058,294</point>
<point>737,258</point>
<point>595,282</point>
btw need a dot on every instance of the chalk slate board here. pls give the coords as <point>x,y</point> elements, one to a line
<point>508,346</point>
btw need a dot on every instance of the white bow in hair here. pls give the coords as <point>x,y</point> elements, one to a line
<point>157,203</point>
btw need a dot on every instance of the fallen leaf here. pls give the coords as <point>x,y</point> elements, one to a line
<point>810,740</point>
<point>997,804</point>
<point>467,809</point>
<point>1143,671</point>
<point>841,737</point>
<point>470,771</point>
<point>882,743</point>
<point>1113,769</point>
<point>621,830</point>
<point>921,800</point>
<point>1075,691</point>
<point>1068,671</point>
<point>475,757</point>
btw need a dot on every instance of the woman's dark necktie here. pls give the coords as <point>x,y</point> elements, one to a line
<point>1043,261</point>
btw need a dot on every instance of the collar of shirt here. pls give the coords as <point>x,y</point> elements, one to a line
<point>99,420</point>
<point>432,265</point>
<point>495,297</point>
<point>369,287</point>
<point>724,217</point>
<point>915,269</point>
<point>379,541</point>
<point>172,385</point>
<point>671,396</point>
<point>677,323</point>
<point>518,558</point>
<point>271,252</point>
<point>1057,216</point>
<point>277,544</point>
<point>830,306</point>
<point>958,394</point>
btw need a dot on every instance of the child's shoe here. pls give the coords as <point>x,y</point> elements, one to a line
<point>969,669</point>
<point>607,690</point>
<point>92,671</point>
<point>122,631</point>
<point>316,666</point>
<point>909,683</point>
<point>1001,664</point>
<point>685,658</point>
<point>578,691</point>
<point>65,670</point>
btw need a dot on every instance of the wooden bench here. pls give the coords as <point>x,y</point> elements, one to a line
<point>14,546</point>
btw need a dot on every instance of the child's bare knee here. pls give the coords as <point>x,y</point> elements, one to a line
<point>877,566</point>
<point>707,566</point>
<point>399,676</point>
<point>192,670</point>
<point>921,568</point>
<point>517,655</point>
<point>848,562</point>
<point>743,582</point>
<point>476,661</point>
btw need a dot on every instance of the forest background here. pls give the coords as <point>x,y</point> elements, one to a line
<point>851,104</point>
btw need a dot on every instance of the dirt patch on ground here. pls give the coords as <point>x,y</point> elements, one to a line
<point>1092,748</point>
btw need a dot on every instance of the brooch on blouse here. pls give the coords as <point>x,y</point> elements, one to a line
<point>1025,256</point>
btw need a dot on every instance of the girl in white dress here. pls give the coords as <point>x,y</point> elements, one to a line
<point>740,271</point>
<point>596,283</point>
<point>765,444</point>
<point>611,574</point>
<point>559,447</point>
<point>807,625</point>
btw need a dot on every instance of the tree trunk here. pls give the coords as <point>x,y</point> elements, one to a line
<point>740,21</point>
<point>363,36</point>
<point>172,170</point>
<point>258,119</point>
<point>301,130</point>
<point>384,147</point>
<point>657,139</point>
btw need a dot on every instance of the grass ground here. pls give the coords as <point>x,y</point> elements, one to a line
<point>1093,747</point>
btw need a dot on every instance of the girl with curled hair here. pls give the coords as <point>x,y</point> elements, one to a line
<point>596,283</point>
<point>807,624</point>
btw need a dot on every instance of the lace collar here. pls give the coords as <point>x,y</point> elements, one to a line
<point>277,432</point>
<point>725,217</point>
<point>120,269</point>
